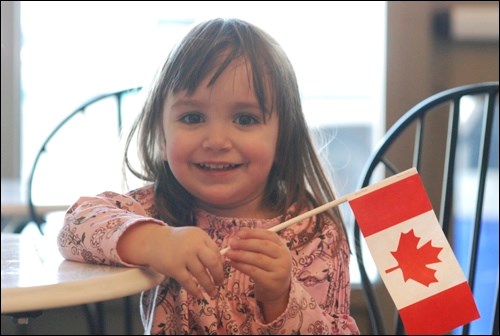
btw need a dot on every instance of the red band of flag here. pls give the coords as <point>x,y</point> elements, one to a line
<point>390,205</point>
<point>430,316</point>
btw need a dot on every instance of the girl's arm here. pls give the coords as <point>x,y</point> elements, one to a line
<point>93,225</point>
<point>119,230</point>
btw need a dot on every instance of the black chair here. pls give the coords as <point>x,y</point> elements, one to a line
<point>451,138</point>
<point>102,116</point>
<point>81,151</point>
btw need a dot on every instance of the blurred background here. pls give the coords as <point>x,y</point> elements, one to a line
<point>360,66</point>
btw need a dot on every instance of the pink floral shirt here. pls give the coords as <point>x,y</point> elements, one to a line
<point>319,294</point>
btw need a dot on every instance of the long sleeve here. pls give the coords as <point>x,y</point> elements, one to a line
<point>93,225</point>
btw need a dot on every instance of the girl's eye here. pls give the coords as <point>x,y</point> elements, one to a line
<point>192,118</point>
<point>246,119</point>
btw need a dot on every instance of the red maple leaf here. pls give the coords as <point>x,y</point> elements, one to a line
<point>413,261</point>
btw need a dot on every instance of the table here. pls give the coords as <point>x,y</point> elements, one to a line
<point>36,277</point>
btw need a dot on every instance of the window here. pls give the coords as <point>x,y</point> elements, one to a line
<point>72,51</point>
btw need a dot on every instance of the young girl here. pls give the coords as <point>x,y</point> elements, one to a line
<point>225,147</point>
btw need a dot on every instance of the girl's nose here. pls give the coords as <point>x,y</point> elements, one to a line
<point>217,139</point>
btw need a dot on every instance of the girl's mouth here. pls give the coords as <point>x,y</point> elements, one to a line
<point>218,166</point>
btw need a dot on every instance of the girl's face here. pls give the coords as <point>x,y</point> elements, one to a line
<point>218,146</point>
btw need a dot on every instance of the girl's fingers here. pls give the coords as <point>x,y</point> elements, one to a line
<point>213,263</point>
<point>254,272</point>
<point>261,243</point>
<point>253,260</point>
<point>188,282</point>
<point>201,276</point>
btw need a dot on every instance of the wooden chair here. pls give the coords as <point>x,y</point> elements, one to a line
<point>78,158</point>
<point>451,138</point>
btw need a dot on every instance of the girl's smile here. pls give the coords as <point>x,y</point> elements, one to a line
<point>217,167</point>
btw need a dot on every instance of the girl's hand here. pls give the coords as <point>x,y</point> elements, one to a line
<point>263,256</point>
<point>184,253</point>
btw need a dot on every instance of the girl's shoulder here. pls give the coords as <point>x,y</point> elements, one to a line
<point>142,197</point>
<point>142,194</point>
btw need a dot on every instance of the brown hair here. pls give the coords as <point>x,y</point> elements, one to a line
<point>296,177</point>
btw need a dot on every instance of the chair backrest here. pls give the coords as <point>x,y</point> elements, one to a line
<point>84,153</point>
<point>451,138</point>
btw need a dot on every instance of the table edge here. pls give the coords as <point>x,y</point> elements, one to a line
<point>132,281</point>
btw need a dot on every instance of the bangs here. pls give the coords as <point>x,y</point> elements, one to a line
<point>188,68</point>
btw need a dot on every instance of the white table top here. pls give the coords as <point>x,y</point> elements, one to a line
<point>36,277</point>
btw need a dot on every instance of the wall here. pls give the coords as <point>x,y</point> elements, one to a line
<point>420,64</point>
<point>10,90</point>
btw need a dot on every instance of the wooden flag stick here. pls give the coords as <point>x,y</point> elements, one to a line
<point>336,202</point>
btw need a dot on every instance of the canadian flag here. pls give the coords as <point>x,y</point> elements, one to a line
<point>413,256</point>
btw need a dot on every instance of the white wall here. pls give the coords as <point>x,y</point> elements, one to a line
<point>10,90</point>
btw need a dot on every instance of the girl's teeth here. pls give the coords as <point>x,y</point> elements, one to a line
<point>217,166</point>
